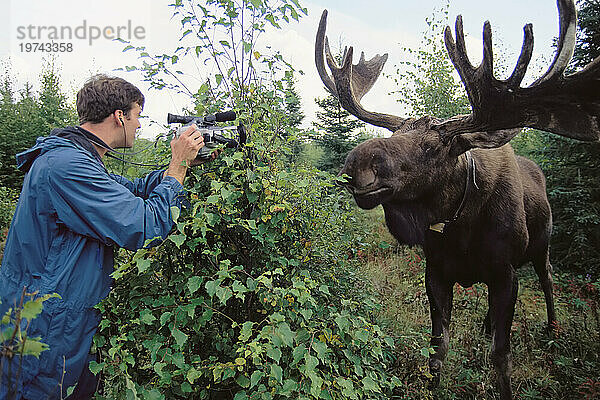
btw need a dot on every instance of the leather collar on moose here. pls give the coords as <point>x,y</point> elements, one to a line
<point>469,183</point>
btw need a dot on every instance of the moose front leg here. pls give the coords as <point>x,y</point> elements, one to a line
<point>503,296</point>
<point>439,294</point>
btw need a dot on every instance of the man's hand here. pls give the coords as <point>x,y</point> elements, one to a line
<point>214,155</point>
<point>184,150</point>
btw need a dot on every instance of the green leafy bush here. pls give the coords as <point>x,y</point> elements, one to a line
<point>251,296</point>
<point>8,199</point>
<point>14,341</point>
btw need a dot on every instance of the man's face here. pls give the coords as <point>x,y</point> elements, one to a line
<point>131,123</point>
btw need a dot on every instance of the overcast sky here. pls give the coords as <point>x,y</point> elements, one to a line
<point>373,27</point>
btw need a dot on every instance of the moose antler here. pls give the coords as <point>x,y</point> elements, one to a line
<point>566,105</point>
<point>351,82</point>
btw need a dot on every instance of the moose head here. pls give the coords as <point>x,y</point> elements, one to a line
<point>455,186</point>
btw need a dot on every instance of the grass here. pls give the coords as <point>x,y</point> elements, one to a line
<point>564,365</point>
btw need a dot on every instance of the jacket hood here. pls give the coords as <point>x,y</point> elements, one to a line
<point>71,136</point>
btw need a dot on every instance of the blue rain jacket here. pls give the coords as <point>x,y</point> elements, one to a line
<point>71,216</point>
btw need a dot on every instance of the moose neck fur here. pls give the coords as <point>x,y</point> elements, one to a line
<point>408,220</point>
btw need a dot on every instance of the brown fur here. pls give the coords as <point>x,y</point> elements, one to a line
<point>505,223</point>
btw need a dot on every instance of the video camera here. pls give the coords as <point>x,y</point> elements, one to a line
<point>213,135</point>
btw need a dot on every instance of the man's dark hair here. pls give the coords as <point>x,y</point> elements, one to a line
<point>102,95</point>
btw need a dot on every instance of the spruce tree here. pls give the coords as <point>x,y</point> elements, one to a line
<point>293,106</point>
<point>26,115</point>
<point>335,127</point>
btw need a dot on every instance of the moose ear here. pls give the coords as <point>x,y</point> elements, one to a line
<point>484,140</point>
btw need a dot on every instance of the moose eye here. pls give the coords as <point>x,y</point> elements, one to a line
<point>376,158</point>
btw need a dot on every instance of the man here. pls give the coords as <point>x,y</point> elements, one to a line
<point>71,216</point>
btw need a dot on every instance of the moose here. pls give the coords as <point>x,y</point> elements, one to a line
<point>455,186</point>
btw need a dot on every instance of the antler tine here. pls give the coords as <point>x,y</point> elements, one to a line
<point>351,82</point>
<point>566,105</point>
<point>457,52</point>
<point>566,41</point>
<point>321,42</point>
<point>524,58</point>
<point>461,48</point>
<point>344,54</point>
<point>487,63</point>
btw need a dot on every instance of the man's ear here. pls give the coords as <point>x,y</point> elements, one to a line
<point>484,140</point>
<point>118,116</point>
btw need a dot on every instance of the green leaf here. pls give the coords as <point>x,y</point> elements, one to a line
<point>241,395</point>
<point>213,199</point>
<point>362,335</point>
<point>177,239</point>
<point>217,373</point>
<point>299,353</point>
<point>165,317</point>
<point>321,349</point>
<point>194,284</point>
<point>307,313</point>
<point>96,367</point>
<point>342,322</point>
<point>211,287</point>
<point>33,347</point>
<point>224,294</point>
<point>288,387</point>
<point>192,375</point>
<point>271,19</point>
<point>142,264</point>
<point>311,363</point>
<point>243,381</point>
<point>347,387</point>
<point>180,337</point>
<point>316,383</point>
<point>175,211</point>
<point>370,384</point>
<point>32,309</point>
<point>147,317</point>
<point>246,331</point>
<point>240,361</point>
<point>229,373</point>
<point>256,377</point>
<point>6,334</point>
<point>286,334</point>
<point>324,289</point>
<point>158,368</point>
<point>277,373</point>
<point>274,353</point>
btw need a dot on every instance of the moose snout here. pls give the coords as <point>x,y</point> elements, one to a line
<point>346,184</point>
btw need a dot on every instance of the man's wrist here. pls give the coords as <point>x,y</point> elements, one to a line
<point>177,169</point>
